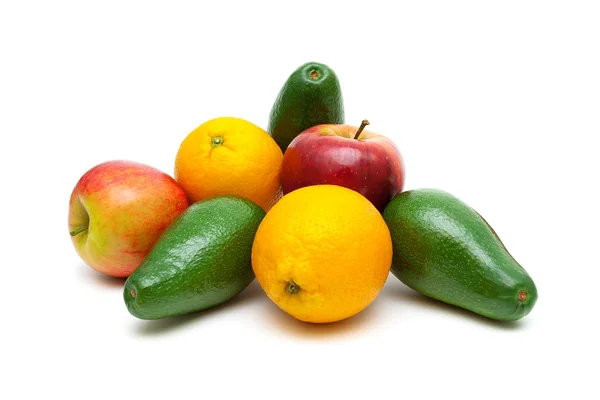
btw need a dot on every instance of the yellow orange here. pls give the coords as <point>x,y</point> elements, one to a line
<point>229,155</point>
<point>322,253</point>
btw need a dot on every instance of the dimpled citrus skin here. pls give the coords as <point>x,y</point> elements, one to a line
<point>332,243</point>
<point>229,156</point>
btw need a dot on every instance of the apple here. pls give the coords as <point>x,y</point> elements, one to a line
<point>117,211</point>
<point>344,155</point>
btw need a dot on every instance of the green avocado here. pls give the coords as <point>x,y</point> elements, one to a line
<point>445,250</point>
<point>310,96</point>
<point>201,260</point>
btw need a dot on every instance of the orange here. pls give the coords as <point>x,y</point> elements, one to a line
<point>322,253</point>
<point>229,156</point>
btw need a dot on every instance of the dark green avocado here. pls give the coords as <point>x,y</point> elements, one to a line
<point>201,260</point>
<point>311,96</point>
<point>445,250</point>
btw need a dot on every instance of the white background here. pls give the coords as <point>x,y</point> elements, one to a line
<point>495,102</point>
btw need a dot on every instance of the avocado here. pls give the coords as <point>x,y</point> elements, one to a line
<point>310,96</point>
<point>202,259</point>
<point>445,250</point>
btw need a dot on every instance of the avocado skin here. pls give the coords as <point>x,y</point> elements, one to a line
<point>304,102</point>
<point>445,250</point>
<point>201,260</point>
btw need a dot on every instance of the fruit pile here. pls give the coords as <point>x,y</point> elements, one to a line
<point>311,207</point>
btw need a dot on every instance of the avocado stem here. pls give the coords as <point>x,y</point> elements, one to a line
<point>522,296</point>
<point>292,287</point>
<point>360,128</point>
<point>132,293</point>
<point>77,231</point>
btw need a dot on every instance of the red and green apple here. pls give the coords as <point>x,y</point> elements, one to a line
<point>344,155</point>
<point>117,211</point>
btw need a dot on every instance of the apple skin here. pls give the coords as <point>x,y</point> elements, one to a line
<point>117,211</point>
<point>329,154</point>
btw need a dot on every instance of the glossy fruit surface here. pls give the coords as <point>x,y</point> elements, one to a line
<point>201,260</point>
<point>329,154</point>
<point>310,96</point>
<point>229,156</point>
<point>117,211</point>
<point>322,253</point>
<point>445,250</point>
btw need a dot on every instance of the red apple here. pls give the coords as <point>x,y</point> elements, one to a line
<point>344,155</point>
<point>117,211</point>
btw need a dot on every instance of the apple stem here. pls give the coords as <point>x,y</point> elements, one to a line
<point>360,128</point>
<point>78,230</point>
